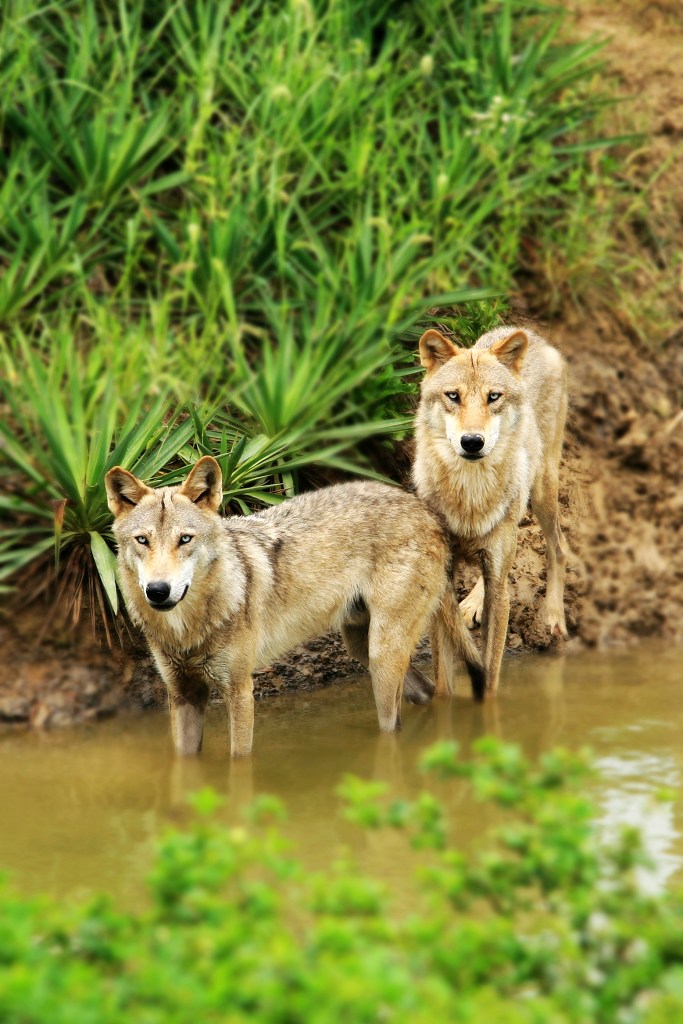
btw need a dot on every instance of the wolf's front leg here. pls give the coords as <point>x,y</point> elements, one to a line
<point>231,670</point>
<point>496,564</point>
<point>187,721</point>
<point>240,702</point>
<point>188,694</point>
<point>472,606</point>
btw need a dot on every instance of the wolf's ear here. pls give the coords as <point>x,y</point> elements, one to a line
<point>204,485</point>
<point>124,490</point>
<point>511,351</point>
<point>435,349</point>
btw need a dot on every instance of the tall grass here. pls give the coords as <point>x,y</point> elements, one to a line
<point>251,208</point>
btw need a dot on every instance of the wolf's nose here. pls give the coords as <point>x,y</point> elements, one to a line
<point>157,591</point>
<point>472,442</point>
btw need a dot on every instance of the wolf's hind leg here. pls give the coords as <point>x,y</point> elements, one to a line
<point>387,673</point>
<point>390,648</point>
<point>417,687</point>
<point>355,637</point>
<point>472,606</point>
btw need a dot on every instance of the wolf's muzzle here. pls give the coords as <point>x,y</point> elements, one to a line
<point>158,593</point>
<point>472,445</point>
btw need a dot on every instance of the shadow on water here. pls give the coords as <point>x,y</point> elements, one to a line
<point>82,808</point>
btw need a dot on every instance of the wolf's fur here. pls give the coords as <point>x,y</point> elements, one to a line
<point>363,557</point>
<point>482,495</point>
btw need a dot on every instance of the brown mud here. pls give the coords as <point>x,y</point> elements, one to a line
<point>621,494</point>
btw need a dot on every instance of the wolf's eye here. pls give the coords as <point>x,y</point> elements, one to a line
<point>453,397</point>
<point>495,395</point>
<point>142,540</point>
<point>185,539</point>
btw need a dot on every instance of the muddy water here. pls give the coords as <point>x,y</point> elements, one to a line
<point>80,809</point>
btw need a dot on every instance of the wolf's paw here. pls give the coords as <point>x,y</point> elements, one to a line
<point>556,623</point>
<point>472,608</point>
<point>417,687</point>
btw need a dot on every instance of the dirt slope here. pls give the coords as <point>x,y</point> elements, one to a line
<point>621,483</point>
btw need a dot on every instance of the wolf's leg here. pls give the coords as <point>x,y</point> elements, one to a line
<point>390,647</point>
<point>355,637</point>
<point>451,642</point>
<point>442,660</point>
<point>417,687</point>
<point>496,564</point>
<point>187,698</point>
<point>545,507</point>
<point>472,606</point>
<point>187,720</point>
<point>240,702</point>
<point>231,671</point>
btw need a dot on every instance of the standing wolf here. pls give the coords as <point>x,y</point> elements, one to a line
<point>488,439</point>
<point>217,598</point>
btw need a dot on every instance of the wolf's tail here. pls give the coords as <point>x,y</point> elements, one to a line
<point>452,641</point>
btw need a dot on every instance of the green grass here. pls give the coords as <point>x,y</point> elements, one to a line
<point>248,211</point>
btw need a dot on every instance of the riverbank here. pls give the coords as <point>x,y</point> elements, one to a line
<point>622,506</point>
<point>621,495</point>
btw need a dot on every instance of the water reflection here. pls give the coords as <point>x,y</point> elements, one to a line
<point>81,808</point>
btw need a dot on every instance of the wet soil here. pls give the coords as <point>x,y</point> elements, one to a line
<point>621,495</point>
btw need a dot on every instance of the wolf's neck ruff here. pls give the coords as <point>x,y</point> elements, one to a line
<point>473,497</point>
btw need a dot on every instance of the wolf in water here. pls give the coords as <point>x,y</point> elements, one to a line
<point>217,598</point>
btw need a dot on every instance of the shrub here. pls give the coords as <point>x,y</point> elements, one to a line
<point>544,923</point>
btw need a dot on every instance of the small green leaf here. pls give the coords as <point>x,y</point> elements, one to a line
<point>105,560</point>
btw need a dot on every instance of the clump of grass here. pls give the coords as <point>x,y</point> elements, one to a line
<point>66,426</point>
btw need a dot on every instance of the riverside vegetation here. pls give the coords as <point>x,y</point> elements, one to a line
<point>545,922</point>
<point>224,226</point>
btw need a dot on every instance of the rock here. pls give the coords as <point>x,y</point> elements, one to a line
<point>14,708</point>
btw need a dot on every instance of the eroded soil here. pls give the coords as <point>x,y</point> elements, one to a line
<point>621,494</point>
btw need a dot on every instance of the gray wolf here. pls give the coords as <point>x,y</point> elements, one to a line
<point>217,598</point>
<point>489,431</point>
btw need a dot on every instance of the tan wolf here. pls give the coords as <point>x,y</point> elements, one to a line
<point>217,598</point>
<point>489,433</point>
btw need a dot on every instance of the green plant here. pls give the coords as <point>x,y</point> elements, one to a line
<point>250,208</point>
<point>545,923</point>
<point>66,426</point>
<point>229,155</point>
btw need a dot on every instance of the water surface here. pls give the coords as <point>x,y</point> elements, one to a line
<point>81,808</point>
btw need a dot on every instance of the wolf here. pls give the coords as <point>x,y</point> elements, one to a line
<point>217,598</point>
<point>488,440</point>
